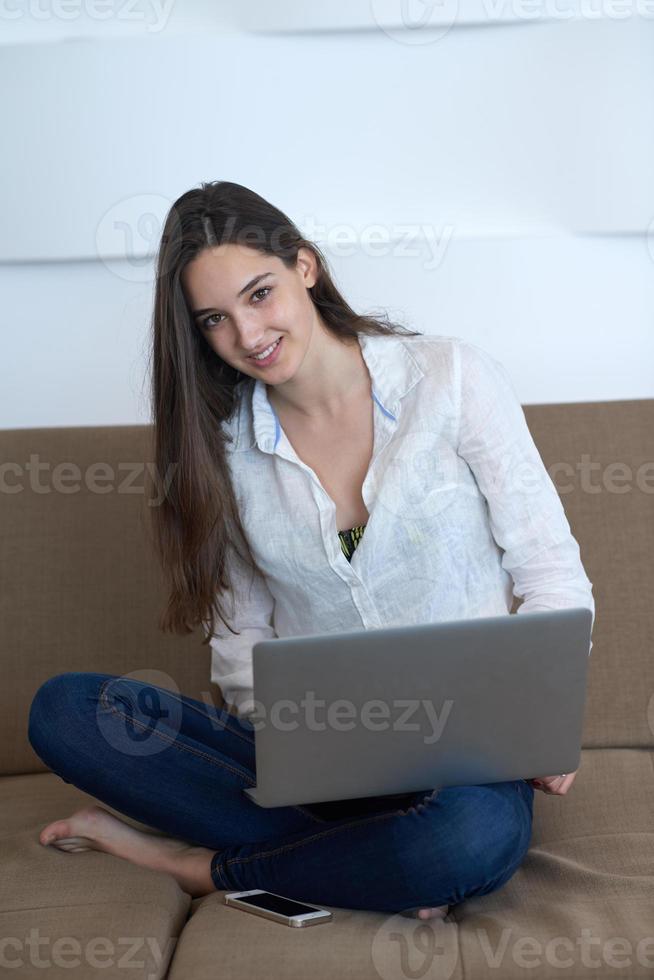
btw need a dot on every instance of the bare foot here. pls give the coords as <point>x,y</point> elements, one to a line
<point>438,912</point>
<point>94,828</point>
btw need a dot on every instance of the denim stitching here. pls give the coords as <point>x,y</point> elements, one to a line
<point>216,873</point>
<point>167,738</point>
<point>323,833</point>
<point>334,830</point>
<point>246,736</point>
<point>188,748</point>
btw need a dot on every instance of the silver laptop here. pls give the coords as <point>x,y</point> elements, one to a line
<point>390,711</point>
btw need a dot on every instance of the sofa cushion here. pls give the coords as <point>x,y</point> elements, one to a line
<point>583,895</point>
<point>582,902</point>
<point>85,914</point>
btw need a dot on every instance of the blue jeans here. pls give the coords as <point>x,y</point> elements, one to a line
<point>180,766</point>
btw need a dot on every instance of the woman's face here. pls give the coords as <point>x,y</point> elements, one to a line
<point>238,316</point>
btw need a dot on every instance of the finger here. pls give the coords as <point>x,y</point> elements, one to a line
<point>545,783</point>
<point>560,785</point>
<point>567,782</point>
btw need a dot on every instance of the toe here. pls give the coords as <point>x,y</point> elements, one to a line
<point>437,912</point>
<point>81,819</point>
<point>433,913</point>
<point>52,831</point>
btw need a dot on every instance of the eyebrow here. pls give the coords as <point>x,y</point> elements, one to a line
<point>248,285</point>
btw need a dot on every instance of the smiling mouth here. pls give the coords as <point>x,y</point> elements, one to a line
<point>262,360</point>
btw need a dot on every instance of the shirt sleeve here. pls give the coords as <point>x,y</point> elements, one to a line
<point>248,608</point>
<point>526,515</point>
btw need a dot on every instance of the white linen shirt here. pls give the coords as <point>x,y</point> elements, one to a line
<point>462,512</point>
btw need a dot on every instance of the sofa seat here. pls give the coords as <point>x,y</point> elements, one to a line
<point>96,915</point>
<point>580,905</point>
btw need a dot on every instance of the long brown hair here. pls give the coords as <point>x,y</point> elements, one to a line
<point>193,393</point>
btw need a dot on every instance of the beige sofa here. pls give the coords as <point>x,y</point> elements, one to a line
<point>81,591</point>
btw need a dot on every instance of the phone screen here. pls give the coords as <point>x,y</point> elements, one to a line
<point>275,903</point>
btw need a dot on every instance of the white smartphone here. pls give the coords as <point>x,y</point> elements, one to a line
<point>276,907</point>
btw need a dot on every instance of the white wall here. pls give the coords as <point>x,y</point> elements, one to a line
<point>507,161</point>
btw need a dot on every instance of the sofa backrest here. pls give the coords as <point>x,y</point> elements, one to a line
<point>81,590</point>
<point>600,456</point>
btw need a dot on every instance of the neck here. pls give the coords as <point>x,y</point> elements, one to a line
<point>331,377</point>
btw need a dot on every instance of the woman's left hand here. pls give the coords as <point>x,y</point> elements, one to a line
<point>554,785</point>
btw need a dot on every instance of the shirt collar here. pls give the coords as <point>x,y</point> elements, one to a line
<point>393,371</point>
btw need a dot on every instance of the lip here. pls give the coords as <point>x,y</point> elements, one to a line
<point>271,358</point>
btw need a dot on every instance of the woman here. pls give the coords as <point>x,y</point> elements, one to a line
<point>288,416</point>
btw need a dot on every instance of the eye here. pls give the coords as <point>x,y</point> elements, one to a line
<point>262,289</point>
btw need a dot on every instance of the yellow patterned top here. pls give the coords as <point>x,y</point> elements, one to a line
<point>349,539</point>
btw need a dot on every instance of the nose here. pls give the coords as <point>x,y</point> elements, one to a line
<point>249,336</point>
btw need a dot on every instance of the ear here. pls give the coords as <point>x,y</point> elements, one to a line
<point>307,266</point>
